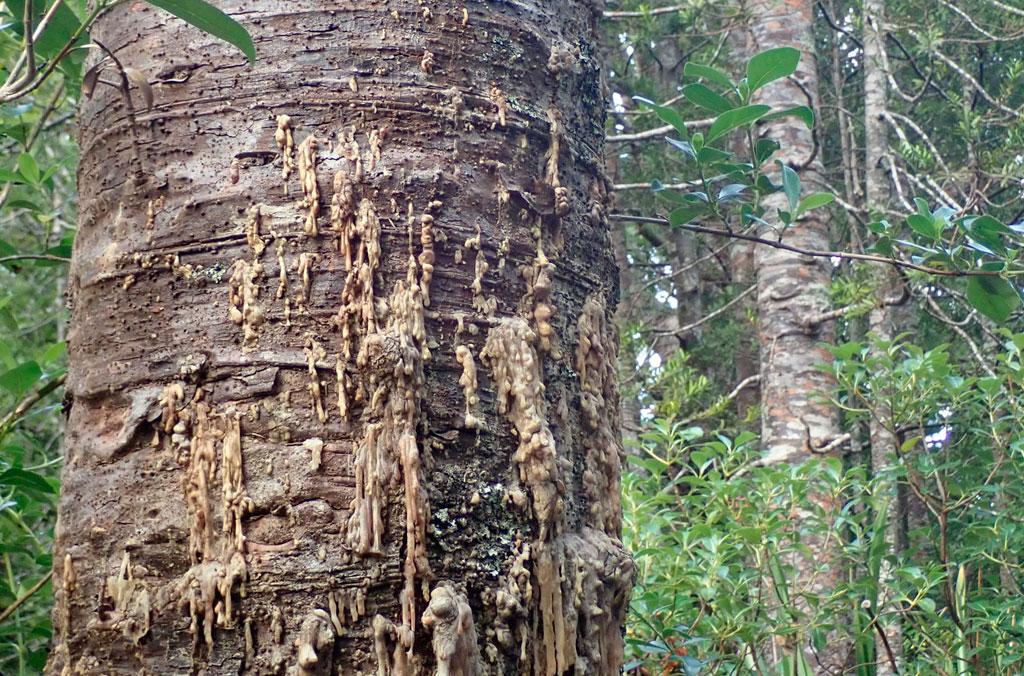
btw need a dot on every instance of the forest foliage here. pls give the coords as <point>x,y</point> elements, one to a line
<point>714,532</point>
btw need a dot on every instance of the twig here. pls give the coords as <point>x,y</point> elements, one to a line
<point>938,272</point>
<point>621,187</point>
<point>1015,114</point>
<point>717,407</point>
<point>30,401</point>
<point>939,314</point>
<point>32,257</point>
<point>683,330</point>
<point>25,597</point>
<point>823,317</point>
<point>657,132</point>
<point>885,644</point>
<point>639,15</point>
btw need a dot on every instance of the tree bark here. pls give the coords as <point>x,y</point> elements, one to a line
<point>342,365</point>
<point>885,319</point>
<point>797,417</point>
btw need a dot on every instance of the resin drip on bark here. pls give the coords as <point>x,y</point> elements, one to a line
<point>306,424</point>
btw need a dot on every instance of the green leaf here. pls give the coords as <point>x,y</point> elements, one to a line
<point>8,176</point>
<point>802,113</point>
<point>988,231</point>
<point>684,146</point>
<point>54,352</point>
<point>685,215</point>
<point>989,224</point>
<point>922,207</point>
<point>209,19</point>
<point>8,320</point>
<point>699,95</point>
<point>814,201</point>
<point>846,351</point>
<point>28,168</point>
<point>731,192</point>
<point>20,478</point>
<point>667,114</point>
<point>708,155</point>
<point>922,225</point>
<point>879,227</point>
<point>771,65</point>
<point>993,297</point>
<point>764,149</point>
<point>673,196</point>
<point>790,185</point>
<point>737,117</point>
<point>62,250</point>
<point>709,73</point>
<point>21,378</point>
<point>750,535</point>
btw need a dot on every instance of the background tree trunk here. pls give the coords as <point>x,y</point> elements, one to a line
<point>885,320</point>
<point>304,406</point>
<point>797,417</point>
<point>792,289</point>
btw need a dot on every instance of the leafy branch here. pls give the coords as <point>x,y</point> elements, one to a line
<point>728,183</point>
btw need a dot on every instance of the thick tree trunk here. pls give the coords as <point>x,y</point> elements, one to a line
<point>797,419</point>
<point>342,361</point>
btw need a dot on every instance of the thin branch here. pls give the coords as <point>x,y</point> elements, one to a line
<point>1012,10</point>
<point>929,186</point>
<point>975,26</point>
<point>31,400</point>
<point>646,111</point>
<point>927,78</point>
<point>892,117</point>
<point>941,315</point>
<point>970,78</point>
<point>712,253</point>
<point>657,132</point>
<point>683,330</point>
<point>620,187</point>
<point>717,407</point>
<point>639,15</point>
<point>25,597</point>
<point>938,272</point>
<point>885,644</point>
<point>836,27</point>
<point>11,91</point>
<point>830,446</point>
<point>32,257</point>
<point>854,307</point>
<point>896,184</point>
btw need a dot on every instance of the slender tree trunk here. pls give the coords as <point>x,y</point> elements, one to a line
<point>885,318</point>
<point>342,361</point>
<point>797,418</point>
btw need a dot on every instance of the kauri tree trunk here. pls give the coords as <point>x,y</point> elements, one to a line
<point>798,420</point>
<point>886,320</point>
<point>342,366</point>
